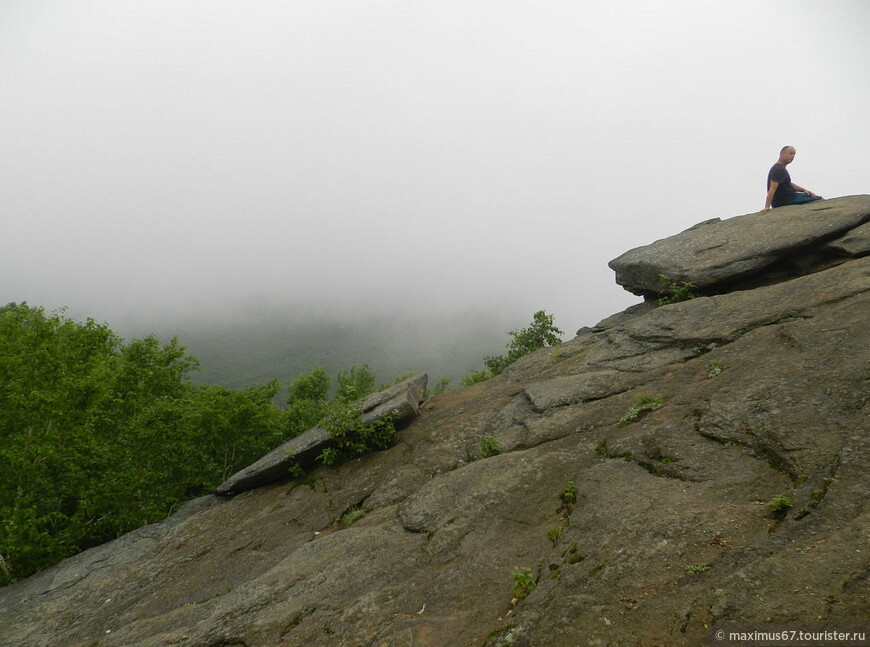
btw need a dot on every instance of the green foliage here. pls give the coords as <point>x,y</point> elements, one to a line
<point>697,569</point>
<point>488,446</point>
<point>568,497</point>
<point>474,377</point>
<point>780,505</point>
<point>642,405</point>
<point>99,436</point>
<point>351,436</point>
<point>352,516</point>
<point>441,386</point>
<point>714,369</point>
<point>540,334</point>
<point>354,384</point>
<point>554,534</point>
<point>307,401</point>
<point>296,471</point>
<point>524,583</point>
<point>676,291</point>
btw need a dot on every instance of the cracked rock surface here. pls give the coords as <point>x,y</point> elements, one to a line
<point>644,532</point>
<point>716,254</point>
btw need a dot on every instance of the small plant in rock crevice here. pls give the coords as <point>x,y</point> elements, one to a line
<point>555,533</point>
<point>714,369</point>
<point>779,506</point>
<point>524,582</point>
<point>643,404</point>
<point>676,291</point>
<point>697,569</point>
<point>352,516</point>
<point>488,447</point>
<point>568,496</point>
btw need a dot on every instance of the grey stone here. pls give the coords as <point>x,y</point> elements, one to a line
<point>651,532</point>
<point>401,402</point>
<point>573,389</point>
<point>856,243</point>
<point>719,253</point>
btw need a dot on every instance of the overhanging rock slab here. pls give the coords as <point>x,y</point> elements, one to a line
<point>401,402</point>
<point>718,252</point>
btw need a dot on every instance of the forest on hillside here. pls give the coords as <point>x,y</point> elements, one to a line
<point>99,436</point>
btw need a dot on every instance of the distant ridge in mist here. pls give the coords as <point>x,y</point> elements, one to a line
<point>240,352</point>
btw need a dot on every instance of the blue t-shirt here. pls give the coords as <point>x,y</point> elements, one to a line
<point>784,193</point>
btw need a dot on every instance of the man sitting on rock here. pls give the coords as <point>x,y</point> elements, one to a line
<point>780,189</point>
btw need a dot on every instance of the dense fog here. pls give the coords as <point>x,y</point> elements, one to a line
<point>169,163</point>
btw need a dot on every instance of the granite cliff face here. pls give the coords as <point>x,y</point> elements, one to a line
<point>668,470</point>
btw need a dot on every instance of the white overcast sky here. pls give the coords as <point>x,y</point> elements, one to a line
<point>158,156</point>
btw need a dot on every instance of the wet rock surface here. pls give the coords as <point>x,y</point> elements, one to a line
<point>641,530</point>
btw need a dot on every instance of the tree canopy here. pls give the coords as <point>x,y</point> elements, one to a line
<point>99,436</point>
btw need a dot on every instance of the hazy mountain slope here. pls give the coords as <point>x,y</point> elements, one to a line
<point>737,492</point>
<point>241,353</point>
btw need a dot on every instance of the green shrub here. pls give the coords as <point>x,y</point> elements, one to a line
<point>697,569</point>
<point>676,291</point>
<point>474,377</point>
<point>441,386</point>
<point>642,405</point>
<point>714,369</point>
<point>780,505</point>
<point>524,583</point>
<point>355,383</point>
<point>554,534</point>
<point>569,495</point>
<point>351,436</point>
<point>352,516</point>
<point>488,446</point>
<point>539,334</point>
<point>100,436</point>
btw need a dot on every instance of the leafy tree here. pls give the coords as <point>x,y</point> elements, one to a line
<point>354,384</point>
<point>539,334</point>
<point>98,437</point>
<point>307,400</point>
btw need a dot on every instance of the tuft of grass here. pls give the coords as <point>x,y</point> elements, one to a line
<point>697,569</point>
<point>642,405</point>
<point>555,533</point>
<point>352,516</point>
<point>569,494</point>
<point>488,446</point>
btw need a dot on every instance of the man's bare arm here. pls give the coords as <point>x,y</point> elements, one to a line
<point>769,198</point>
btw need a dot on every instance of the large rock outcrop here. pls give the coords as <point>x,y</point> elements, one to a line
<point>718,254</point>
<point>642,526</point>
<point>400,403</point>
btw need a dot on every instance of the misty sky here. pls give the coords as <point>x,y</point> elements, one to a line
<point>159,156</point>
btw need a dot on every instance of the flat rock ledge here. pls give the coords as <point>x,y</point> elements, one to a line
<point>401,402</point>
<point>717,254</point>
